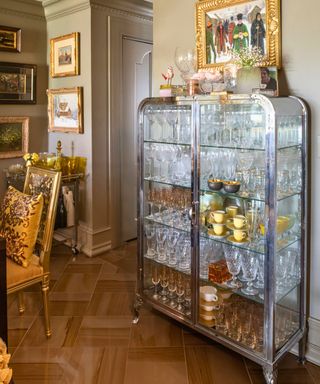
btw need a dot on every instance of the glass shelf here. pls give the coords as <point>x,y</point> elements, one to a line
<point>186,185</point>
<point>246,195</point>
<point>149,141</point>
<point>259,248</point>
<point>256,298</point>
<point>239,148</point>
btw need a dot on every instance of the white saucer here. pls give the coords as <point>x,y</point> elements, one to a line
<point>234,241</point>
<point>218,236</point>
<point>231,226</point>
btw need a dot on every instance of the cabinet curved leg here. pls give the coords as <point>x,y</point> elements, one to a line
<point>270,374</point>
<point>136,308</point>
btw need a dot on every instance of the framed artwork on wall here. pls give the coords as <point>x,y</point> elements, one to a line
<point>17,83</point>
<point>64,55</point>
<point>14,136</point>
<point>227,25</point>
<point>65,110</point>
<point>10,39</point>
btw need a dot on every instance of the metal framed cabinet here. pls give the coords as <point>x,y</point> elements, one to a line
<point>229,264</point>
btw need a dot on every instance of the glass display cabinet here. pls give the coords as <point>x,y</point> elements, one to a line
<point>222,219</point>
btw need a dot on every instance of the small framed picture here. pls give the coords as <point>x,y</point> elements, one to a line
<point>269,82</point>
<point>64,55</point>
<point>65,110</point>
<point>17,83</point>
<point>14,136</point>
<point>10,39</point>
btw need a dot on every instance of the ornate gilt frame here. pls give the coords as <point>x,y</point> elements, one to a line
<point>24,121</point>
<point>72,39</point>
<point>273,31</point>
<point>78,92</point>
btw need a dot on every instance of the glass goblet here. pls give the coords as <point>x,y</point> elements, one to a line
<point>180,292</point>
<point>249,264</point>
<point>155,281</point>
<point>161,235</point>
<point>232,256</point>
<point>164,282</point>
<point>150,232</point>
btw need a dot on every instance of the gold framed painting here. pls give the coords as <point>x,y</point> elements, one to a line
<point>64,55</point>
<point>65,110</point>
<point>14,136</point>
<point>17,83</point>
<point>227,25</point>
<point>10,39</point>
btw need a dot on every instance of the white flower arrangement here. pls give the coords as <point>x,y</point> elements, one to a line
<point>247,57</point>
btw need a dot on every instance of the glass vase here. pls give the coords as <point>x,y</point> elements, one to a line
<point>247,79</point>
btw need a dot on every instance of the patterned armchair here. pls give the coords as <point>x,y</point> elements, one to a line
<point>48,183</point>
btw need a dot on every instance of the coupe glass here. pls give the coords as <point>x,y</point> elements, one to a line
<point>249,263</point>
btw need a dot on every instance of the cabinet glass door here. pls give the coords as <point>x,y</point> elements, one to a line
<point>232,210</point>
<point>288,256</point>
<point>167,185</point>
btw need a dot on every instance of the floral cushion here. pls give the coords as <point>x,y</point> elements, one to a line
<point>21,216</point>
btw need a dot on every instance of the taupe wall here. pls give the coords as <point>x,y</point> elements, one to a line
<point>174,25</point>
<point>101,24</point>
<point>28,16</point>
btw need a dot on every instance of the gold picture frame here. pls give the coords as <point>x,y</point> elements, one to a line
<point>216,22</point>
<point>65,110</point>
<point>10,39</point>
<point>14,136</point>
<point>64,55</point>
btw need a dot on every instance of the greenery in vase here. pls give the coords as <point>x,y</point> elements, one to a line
<point>247,58</point>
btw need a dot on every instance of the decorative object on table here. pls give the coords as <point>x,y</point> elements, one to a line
<point>17,83</point>
<point>269,82</point>
<point>21,216</point>
<point>230,76</point>
<point>5,371</point>
<point>31,159</point>
<point>186,62</point>
<point>241,19</point>
<point>64,55</point>
<point>166,89</point>
<point>14,136</point>
<point>169,75</point>
<point>248,75</point>
<point>10,39</point>
<point>65,110</point>
<point>210,82</point>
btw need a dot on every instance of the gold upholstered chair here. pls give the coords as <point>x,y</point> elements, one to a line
<point>47,183</point>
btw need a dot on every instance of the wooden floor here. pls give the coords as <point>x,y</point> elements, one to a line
<point>94,341</point>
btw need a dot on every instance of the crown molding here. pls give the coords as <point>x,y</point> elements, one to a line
<point>30,9</point>
<point>136,8</point>
<point>55,9</point>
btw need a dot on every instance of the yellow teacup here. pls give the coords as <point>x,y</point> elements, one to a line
<point>219,216</point>
<point>219,229</point>
<point>232,210</point>
<point>239,221</point>
<point>239,234</point>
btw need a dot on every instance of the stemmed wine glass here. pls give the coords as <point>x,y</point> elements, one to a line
<point>155,280</point>
<point>172,286</point>
<point>150,232</point>
<point>180,292</point>
<point>233,260</point>
<point>249,263</point>
<point>164,282</point>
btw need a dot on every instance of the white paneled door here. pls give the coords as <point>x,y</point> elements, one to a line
<point>136,86</point>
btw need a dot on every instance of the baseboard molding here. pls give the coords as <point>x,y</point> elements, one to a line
<point>96,250</point>
<point>313,344</point>
<point>94,241</point>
